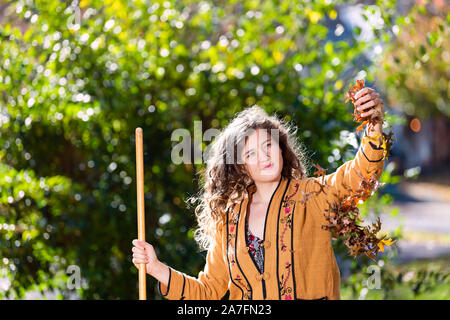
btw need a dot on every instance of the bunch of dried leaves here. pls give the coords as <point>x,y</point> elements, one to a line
<point>344,221</point>
<point>343,215</point>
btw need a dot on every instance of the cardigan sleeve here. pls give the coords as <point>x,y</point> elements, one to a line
<point>211,283</point>
<point>369,161</point>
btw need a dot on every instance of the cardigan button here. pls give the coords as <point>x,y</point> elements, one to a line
<point>265,276</point>
<point>265,244</point>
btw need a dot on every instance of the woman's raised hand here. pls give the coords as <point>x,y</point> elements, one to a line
<point>143,252</point>
<point>369,103</point>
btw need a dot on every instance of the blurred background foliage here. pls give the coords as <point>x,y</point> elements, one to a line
<point>76,79</point>
<point>415,67</point>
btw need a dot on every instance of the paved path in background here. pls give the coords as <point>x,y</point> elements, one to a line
<point>424,213</point>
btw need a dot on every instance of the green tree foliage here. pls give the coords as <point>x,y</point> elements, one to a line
<point>77,79</point>
<point>415,66</point>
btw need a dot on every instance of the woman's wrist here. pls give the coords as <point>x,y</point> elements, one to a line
<point>375,130</point>
<point>160,271</point>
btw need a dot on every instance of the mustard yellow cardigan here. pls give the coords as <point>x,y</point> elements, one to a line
<point>299,259</point>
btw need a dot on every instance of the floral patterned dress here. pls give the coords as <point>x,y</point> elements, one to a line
<point>255,249</point>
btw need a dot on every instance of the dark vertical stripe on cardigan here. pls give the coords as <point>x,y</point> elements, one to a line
<point>251,256</point>
<point>182,291</point>
<point>168,284</point>
<point>229,268</point>
<point>292,252</point>
<point>278,227</point>
<point>236,252</point>
<point>265,220</point>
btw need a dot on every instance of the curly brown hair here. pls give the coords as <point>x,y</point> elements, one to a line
<point>224,183</point>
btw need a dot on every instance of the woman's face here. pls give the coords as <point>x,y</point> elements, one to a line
<point>262,156</point>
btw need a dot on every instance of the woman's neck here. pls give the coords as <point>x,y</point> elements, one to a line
<point>264,190</point>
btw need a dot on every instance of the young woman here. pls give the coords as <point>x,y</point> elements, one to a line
<point>260,217</point>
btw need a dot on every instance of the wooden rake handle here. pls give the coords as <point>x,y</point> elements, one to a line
<point>140,208</point>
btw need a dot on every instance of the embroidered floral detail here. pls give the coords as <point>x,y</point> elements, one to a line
<point>235,271</point>
<point>293,194</point>
<point>287,222</point>
<point>288,268</point>
<point>285,280</point>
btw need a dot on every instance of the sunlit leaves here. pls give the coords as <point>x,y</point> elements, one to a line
<point>414,66</point>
